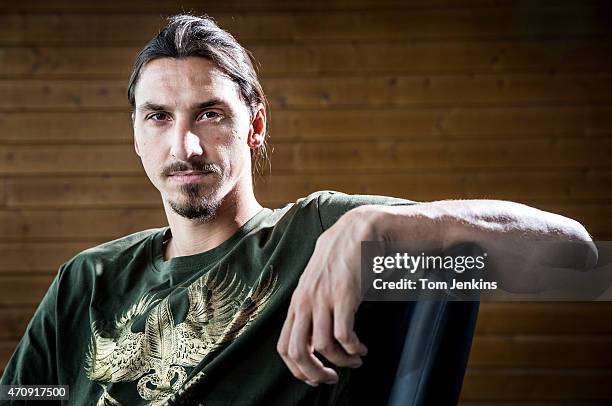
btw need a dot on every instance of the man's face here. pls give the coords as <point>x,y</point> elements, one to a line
<point>192,132</point>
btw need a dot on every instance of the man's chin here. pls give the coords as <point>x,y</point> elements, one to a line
<point>199,207</point>
<point>200,212</point>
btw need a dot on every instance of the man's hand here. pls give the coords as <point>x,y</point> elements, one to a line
<point>323,306</point>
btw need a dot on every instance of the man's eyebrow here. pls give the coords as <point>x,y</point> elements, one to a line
<point>150,106</point>
<point>211,103</point>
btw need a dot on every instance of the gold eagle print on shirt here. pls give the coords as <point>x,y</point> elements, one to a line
<point>220,309</point>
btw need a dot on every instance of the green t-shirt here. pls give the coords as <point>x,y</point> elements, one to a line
<point>121,326</point>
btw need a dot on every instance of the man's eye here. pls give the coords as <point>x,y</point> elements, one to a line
<point>158,116</point>
<point>210,115</point>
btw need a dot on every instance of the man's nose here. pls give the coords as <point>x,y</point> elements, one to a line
<point>185,143</point>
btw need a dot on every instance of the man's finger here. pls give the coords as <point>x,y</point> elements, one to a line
<point>301,351</point>
<point>283,346</point>
<point>325,343</point>
<point>344,318</point>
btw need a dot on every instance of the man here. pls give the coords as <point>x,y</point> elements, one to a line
<point>199,311</point>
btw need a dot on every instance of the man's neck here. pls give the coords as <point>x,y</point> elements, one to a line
<point>191,237</point>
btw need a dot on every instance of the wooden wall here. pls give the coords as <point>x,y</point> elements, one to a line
<point>423,99</point>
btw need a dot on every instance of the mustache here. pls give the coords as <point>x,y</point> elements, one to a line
<point>190,166</point>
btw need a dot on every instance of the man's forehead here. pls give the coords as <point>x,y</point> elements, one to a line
<point>193,77</point>
<point>191,64</point>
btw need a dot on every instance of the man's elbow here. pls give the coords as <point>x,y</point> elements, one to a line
<point>582,245</point>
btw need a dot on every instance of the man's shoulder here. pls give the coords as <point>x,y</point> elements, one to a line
<point>112,250</point>
<point>336,197</point>
<point>332,204</point>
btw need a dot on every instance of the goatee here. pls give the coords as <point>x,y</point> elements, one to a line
<point>197,206</point>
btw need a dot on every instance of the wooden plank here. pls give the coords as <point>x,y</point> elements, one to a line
<point>541,352</point>
<point>276,5</point>
<point>13,322</point>
<point>6,350</point>
<point>441,90</point>
<point>431,57</point>
<point>520,384</point>
<point>103,192</point>
<point>527,121</point>
<point>423,155</point>
<point>45,257</point>
<point>84,192</point>
<point>58,95</point>
<point>69,62</point>
<point>321,157</point>
<point>69,159</point>
<point>524,402</point>
<point>137,191</point>
<point>504,22</point>
<point>73,127</point>
<point>427,186</point>
<point>341,92</point>
<point>334,125</point>
<point>20,291</point>
<point>593,216</point>
<point>544,318</point>
<point>75,225</point>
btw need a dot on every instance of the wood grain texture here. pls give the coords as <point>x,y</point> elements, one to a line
<point>20,291</point>
<point>537,384</point>
<point>27,258</point>
<point>548,351</point>
<point>390,25</point>
<point>6,350</point>
<point>245,5</point>
<point>525,402</point>
<point>531,318</point>
<point>426,57</point>
<point>73,225</point>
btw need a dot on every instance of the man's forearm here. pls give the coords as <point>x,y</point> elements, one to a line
<point>505,230</point>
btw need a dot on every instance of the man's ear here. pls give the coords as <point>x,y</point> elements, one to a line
<point>134,135</point>
<point>136,147</point>
<point>257,131</point>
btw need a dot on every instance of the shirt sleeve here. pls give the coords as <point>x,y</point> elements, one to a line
<point>34,359</point>
<point>332,205</point>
